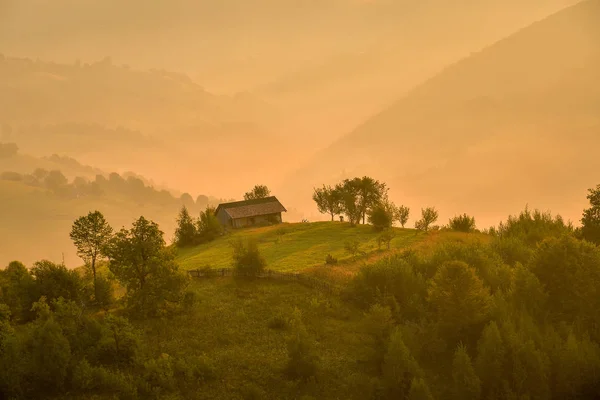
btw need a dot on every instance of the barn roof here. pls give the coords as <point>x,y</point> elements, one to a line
<point>252,208</point>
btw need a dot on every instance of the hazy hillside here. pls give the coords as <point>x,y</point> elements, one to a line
<point>507,126</point>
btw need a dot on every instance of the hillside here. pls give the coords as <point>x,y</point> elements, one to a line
<point>302,247</point>
<point>508,125</point>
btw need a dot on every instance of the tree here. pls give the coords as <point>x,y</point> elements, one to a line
<point>328,200</point>
<point>202,202</point>
<point>590,229</point>
<point>140,260</point>
<point>350,200</point>
<point>16,287</point>
<point>258,192</point>
<point>467,385</point>
<point>381,216</point>
<point>187,200</point>
<point>490,360</point>
<point>55,280</point>
<point>428,216</point>
<point>55,180</point>
<point>399,368</point>
<point>186,232</point>
<point>386,238</point>
<point>402,214</point>
<point>419,390</point>
<point>247,259</point>
<point>462,223</point>
<point>302,354</point>
<point>458,297</point>
<point>91,234</point>
<point>208,225</point>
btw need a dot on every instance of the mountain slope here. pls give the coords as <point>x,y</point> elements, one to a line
<point>513,124</point>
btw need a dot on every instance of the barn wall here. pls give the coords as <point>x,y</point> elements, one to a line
<point>258,220</point>
<point>223,218</point>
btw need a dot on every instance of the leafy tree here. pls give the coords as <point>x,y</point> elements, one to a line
<point>185,233</point>
<point>91,234</point>
<point>462,223</point>
<point>247,259</point>
<point>140,260</point>
<point>55,280</point>
<point>350,200</point>
<point>371,193</point>
<point>202,202</point>
<point>467,385</point>
<point>121,341</point>
<point>328,200</point>
<point>590,229</point>
<point>16,290</point>
<point>55,181</point>
<point>428,216</point>
<point>569,270</point>
<point>258,192</point>
<point>533,227</point>
<point>385,237</point>
<point>402,214</point>
<point>40,174</point>
<point>381,217</point>
<point>353,247</point>
<point>208,226</point>
<point>399,368</point>
<point>302,355</point>
<point>459,298</point>
<point>419,390</point>
<point>378,325</point>
<point>491,353</point>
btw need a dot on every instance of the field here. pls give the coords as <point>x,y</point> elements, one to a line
<point>296,247</point>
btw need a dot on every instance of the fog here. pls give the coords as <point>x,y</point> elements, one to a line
<point>481,107</point>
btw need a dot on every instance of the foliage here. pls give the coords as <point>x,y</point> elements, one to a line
<point>54,281</point>
<point>386,238</point>
<point>143,264</point>
<point>330,260</point>
<point>381,217</point>
<point>247,259</point>
<point>353,248</point>
<point>467,385</point>
<point>462,223</point>
<point>402,214</point>
<point>17,290</point>
<point>302,355</point>
<point>533,227</point>
<point>8,150</point>
<point>328,200</point>
<point>399,369</point>
<point>208,226</point>
<point>257,192</point>
<point>185,233</point>
<point>91,234</point>
<point>590,229</point>
<point>428,216</point>
<point>350,200</point>
<point>459,299</point>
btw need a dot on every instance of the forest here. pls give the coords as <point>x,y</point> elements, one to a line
<point>511,313</point>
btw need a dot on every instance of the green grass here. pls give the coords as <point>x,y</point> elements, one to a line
<point>294,247</point>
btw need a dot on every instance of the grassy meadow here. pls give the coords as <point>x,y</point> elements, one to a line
<point>295,247</point>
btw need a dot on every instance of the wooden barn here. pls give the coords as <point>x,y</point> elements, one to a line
<point>241,214</point>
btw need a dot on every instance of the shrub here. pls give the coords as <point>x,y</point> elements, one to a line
<point>385,238</point>
<point>278,323</point>
<point>352,247</point>
<point>104,292</point>
<point>303,358</point>
<point>533,227</point>
<point>330,260</point>
<point>247,259</point>
<point>428,216</point>
<point>462,223</point>
<point>381,217</point>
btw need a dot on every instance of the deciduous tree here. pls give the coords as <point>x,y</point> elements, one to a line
<point>328,200</point>
<point>258,192</point>
<point>590,229</point>
<point>428,216</point>
<point>91,234</point>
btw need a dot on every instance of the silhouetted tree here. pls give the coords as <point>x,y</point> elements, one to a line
<point>590,229</point>
<point>428,216</point>
<point>350,200</point>
<point>258,192</point>
<point>402,214</point>
<point>328,200</point>
<point>90,235</point>
<point>186,232</point>
<point>462,223</point>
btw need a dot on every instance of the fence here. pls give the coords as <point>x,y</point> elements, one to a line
<point>268,274</point>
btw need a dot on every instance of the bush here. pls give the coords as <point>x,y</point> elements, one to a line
<point>330,260</point>
<point>353,247</point>
<point>247,259</point>
<point>104,292</point>
<point>385,238</point>
<point>381,217</point>
<point>428,216</point>
<point>302,354</point>
<point>462,223</point>
<point>278,323</point>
